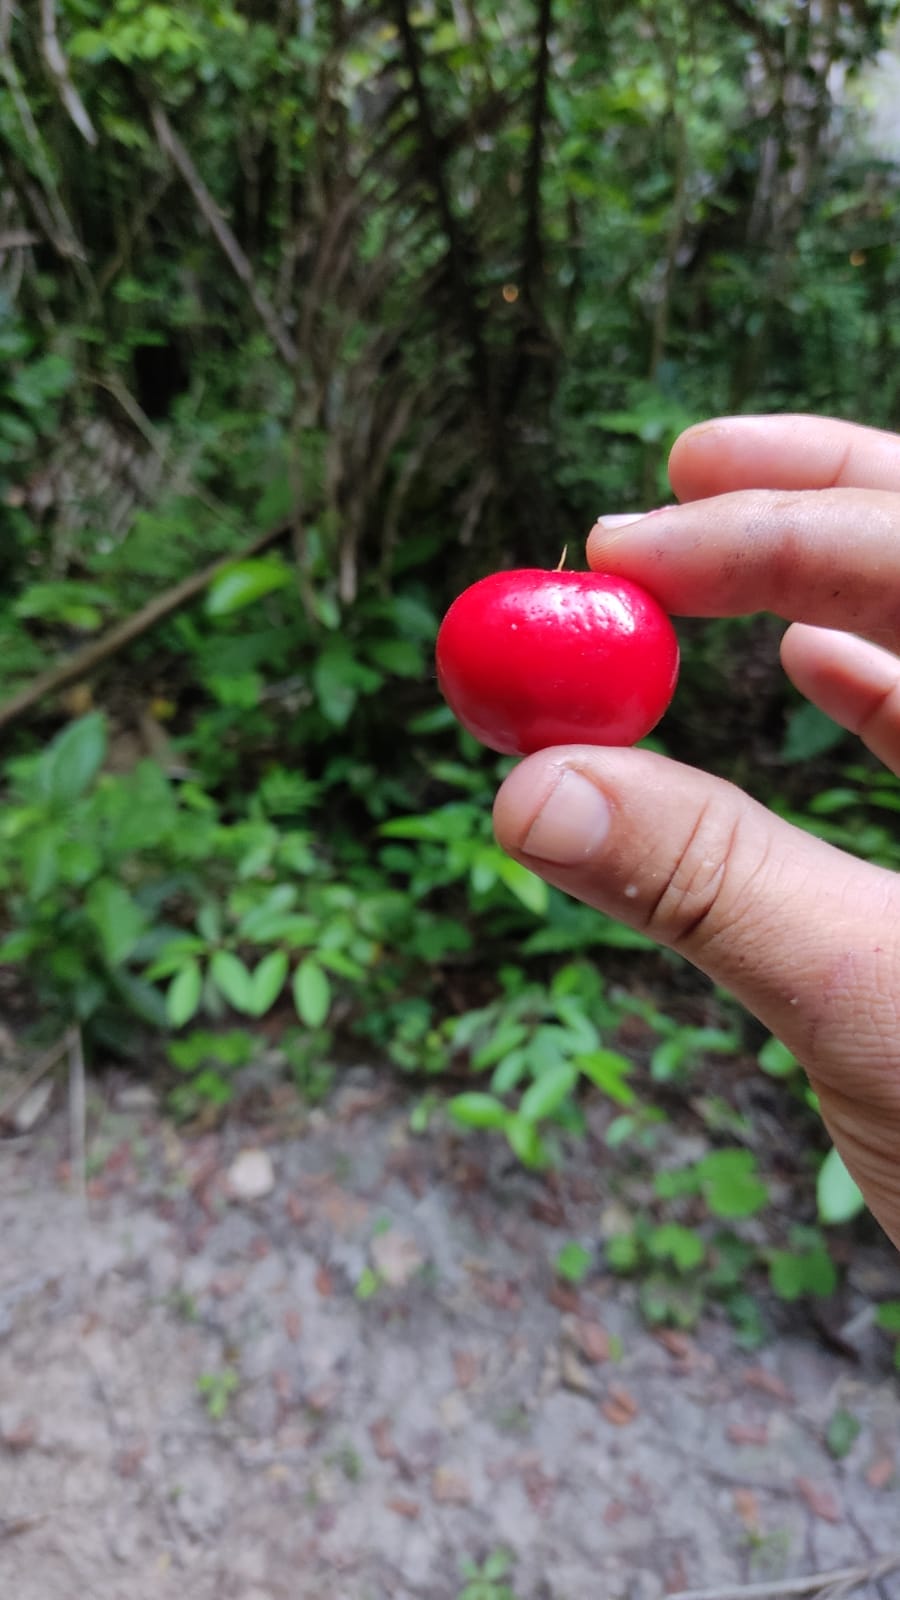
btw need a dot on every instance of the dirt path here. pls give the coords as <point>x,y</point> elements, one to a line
<point>397,1384</point>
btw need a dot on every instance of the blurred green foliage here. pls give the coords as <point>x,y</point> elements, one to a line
<point>420,290</point>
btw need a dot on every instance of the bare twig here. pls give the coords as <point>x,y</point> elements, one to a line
<point>172,146</point>
<point>77,1114</point>
<point>838,1582</point>
<point>84,661</point>
<point>44,1064</point>
<point>58,67</point>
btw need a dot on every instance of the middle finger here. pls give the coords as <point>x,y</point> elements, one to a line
<point>828,556</point>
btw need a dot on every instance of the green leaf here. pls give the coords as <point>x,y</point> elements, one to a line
<point>730,1183</point>
<point>245,582</point>
<point>794,1274</point>
<point>476,1110</point>
<point>400,657</point>
<point>672,1242</point>
<point>841,1434</point>
<point>623,1252</point>
<point>776,1059</point>
<point>183,994</point>
<point>838,1196</point>
<point>810,733</point>
<point>525,1142</point>
<point>71,763</point>
<point>119,921</point>
<point>232,980</point>
<point>545,1096</point>
<point>573,1262</point>
<point>267,982</point>
<point>312,993</point>
<point>887,1316</point>
<point>606,1069</point>
<point>526,886</point>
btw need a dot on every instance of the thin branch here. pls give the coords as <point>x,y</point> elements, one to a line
<point>532,243</point>
<point>44,1064</point>
<point>89,656</point>
<point>816,1583</point>
<point>58,67</point>
<point>172,146</point>
<point>77,1114</point>
<point>457,246</point>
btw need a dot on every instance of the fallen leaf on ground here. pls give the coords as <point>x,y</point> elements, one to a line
<point>297,1209</point>
<point>564,1297</point>
<point>589,1338</point>
<point>880,1473</point>
<point>500,1292</point>
<point>381,1434</point>
<point>747,1507</point>
<point>767,1383</point>
<point>573,1373</point>
<point>466,1367</point>
<point>450,1487</point>
<point>293,1323</point>
<point>620,1406</point>
<point>20,1434</point>
<point>32,1107</point>
<point>820,1500</point>
<point>345,1213</point>
<point>396,1257</point>
<point>404,1508</point>
<point>615,1512</point>
<point>747,1432</point>
<point>324,1282</point>
<point>251,1175</point>
<point>678,1344</point>
<point>322,1398</point>
<point>540,1488</point>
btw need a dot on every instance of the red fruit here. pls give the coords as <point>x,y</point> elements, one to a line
<point>529,659</point>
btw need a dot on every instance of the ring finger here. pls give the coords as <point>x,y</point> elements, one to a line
<point>855,683</point>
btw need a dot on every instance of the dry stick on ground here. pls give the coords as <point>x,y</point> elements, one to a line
<point>842,1581</point>
<point>84,661</point>
<point>77,1115</point>
<point>44,1064</point>
<point>170,143</point>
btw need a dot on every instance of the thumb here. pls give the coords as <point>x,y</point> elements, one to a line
<point>804,935</point>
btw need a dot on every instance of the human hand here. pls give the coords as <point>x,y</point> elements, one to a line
<point>799,516</point>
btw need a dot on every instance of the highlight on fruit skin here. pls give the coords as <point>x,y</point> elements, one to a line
<point>528,658</point>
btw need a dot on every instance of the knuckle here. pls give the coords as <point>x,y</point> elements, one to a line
<point>699,891</point>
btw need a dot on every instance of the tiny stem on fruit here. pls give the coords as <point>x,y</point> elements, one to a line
<point>562,559</point>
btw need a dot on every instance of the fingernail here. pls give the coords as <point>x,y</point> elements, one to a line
<point>626,518</point>
<point>572,823</point>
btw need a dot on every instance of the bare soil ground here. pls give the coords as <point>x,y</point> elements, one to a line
<point>370,1373</point>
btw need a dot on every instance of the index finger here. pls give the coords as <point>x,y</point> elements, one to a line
<point>828,556</point>
<point>782,452</point>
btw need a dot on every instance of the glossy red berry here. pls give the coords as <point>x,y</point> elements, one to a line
<point>528,659</point>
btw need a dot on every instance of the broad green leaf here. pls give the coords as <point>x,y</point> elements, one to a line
<point>40,853</point>
<point>548,1092</point>
<point>842,1432</point>
<point>245,582</point>
<point>526,1142</point>
<point>608,1070</point>
<point>71,763</point>
<point>183,994</point>
<point>793,1274</point>
<point>476,1110</point>
<point>119,921</point>
<point>526,886</point>
<point>400,657</point>
<point>312,993</point>
<point>680,1245</point>
<point>267,982</point>
<point>776,1059</point>
<point>731,1184</point>
<point>887,1316</point>
<point>837,1194</point>
<point>810,733</point>
<point>573,1262</point>
<point>232,980</point>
